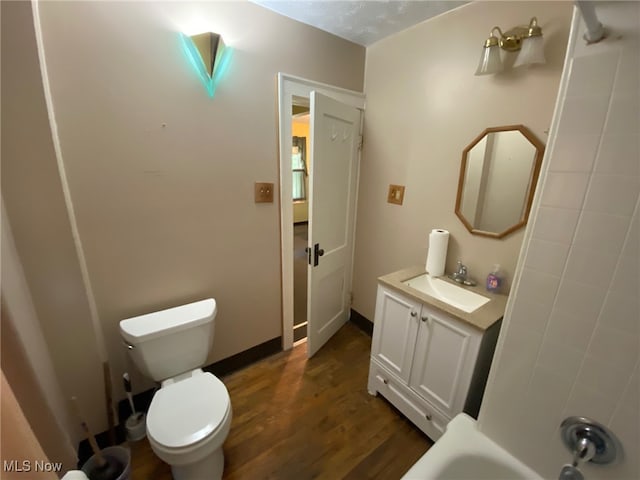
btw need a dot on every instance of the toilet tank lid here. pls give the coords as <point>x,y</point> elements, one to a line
<point>145,327</point>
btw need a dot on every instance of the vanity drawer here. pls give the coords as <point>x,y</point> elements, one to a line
<point>425,416</point>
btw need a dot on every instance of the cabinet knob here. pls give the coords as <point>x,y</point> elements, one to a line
<point>428,416</point>
<point>385,381</point>
<point>413,314</point>
<point>424,318</point>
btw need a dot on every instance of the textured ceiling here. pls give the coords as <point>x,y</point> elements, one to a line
<point>362,22</point>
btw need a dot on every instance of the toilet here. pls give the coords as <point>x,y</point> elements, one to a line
<point>190,415</point>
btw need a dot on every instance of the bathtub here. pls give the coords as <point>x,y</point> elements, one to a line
<point>463,453</point>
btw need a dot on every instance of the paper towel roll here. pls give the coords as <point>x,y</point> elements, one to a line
<point>437,254</point>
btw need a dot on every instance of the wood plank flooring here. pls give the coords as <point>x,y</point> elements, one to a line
<point>299,418</point>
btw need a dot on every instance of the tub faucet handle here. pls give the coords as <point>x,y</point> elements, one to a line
<point>588,441</point>
<point>570,472</point>
<point>584,451</point>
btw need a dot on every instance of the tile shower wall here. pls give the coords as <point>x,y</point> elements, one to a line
<point>571,338</point>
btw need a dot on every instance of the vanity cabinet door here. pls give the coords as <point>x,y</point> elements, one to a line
<point>445,355</point>
<point>395,331</point>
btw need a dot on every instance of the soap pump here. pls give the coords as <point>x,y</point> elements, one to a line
<point>493,279</point>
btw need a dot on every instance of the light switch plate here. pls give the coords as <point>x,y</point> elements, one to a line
<point>396,194</point>
<point>263,192</point>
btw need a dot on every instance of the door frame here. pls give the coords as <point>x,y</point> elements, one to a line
<point>290,86</point>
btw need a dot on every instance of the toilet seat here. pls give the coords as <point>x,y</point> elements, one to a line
<point>187,412</point>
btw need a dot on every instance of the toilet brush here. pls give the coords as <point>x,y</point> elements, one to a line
<point>135,424</point>
<point>127,388</point>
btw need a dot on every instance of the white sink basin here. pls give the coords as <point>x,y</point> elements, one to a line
<point>455,296</point>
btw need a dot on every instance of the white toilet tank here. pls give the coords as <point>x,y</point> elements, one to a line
<point>170,342</point>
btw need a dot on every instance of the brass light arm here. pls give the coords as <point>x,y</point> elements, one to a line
<point>512,41</point>
<point>492,41</point>
<point>534,29</point>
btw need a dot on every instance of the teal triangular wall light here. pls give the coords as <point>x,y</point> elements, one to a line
<point>209,56</point>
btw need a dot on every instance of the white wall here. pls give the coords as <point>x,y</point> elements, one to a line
<point>161,176</point>
<point>18,440</point>
<point>570,342</point>
<point>424,106</point>
<point>35,206</point>
<point>31,371</point>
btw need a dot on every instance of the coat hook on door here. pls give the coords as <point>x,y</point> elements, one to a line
<point>334,134</point>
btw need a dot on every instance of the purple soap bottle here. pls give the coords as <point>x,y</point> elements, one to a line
<point>493,280</point>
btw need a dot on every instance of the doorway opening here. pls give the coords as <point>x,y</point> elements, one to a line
<point>300,239</point>
<point>298,92</point>
<point>301,168</point>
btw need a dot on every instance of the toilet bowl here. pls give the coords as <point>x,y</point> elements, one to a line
<point>190,415</point>
<point>187,423</point>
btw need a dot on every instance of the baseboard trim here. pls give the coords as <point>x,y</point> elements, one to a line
<point>246,358</point>
<point>362,322</point>
<point>143,400</point>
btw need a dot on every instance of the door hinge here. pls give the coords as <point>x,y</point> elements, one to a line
<point>350,298</point>
<point>360,141</point>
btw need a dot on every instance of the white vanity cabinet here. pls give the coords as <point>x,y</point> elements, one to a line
<point>394,332</point>
<point>423,360</point>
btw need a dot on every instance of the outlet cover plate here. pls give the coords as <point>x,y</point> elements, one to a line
<point>263,192</point>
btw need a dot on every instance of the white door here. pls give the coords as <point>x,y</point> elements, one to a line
<point>335,132</point>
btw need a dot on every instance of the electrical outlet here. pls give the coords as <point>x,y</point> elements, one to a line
<point>263,192</point>
<point>396,194</point>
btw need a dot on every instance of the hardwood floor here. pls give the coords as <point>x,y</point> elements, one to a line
<point>299,418</point>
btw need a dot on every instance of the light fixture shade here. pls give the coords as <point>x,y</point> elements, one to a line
<point>490,61</point>
<point>209,56</point>
<point>532,52</point>
<point>210,47</point>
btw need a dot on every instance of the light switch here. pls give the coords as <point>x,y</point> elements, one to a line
<point>263,192</point>
<point>396,194</point>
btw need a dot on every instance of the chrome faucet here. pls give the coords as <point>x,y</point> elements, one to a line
<point>588,441</point>
<point>460,275</point>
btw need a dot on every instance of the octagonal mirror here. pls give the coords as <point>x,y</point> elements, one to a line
<point>498,177</point>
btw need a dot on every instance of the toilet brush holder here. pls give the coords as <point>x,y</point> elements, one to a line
<point>136,426</point>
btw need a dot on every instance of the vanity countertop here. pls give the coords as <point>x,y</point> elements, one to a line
<point>482,318</point>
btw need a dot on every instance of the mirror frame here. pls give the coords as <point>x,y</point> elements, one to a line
<point>539,146</point>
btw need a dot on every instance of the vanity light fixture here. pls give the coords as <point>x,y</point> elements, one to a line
<point>209,55</point>
<point>527,40</point>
